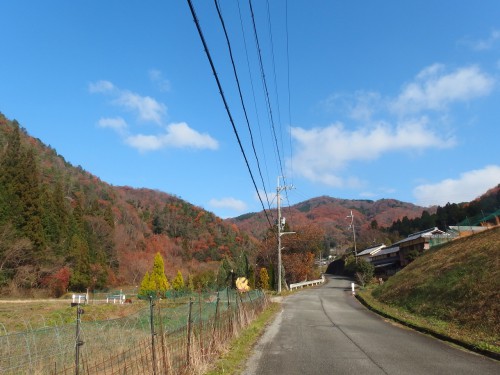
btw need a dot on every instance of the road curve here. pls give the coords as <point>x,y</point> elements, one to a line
<point>325,330</point>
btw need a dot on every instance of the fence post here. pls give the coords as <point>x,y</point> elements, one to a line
<point>78,341</point>
<point>162,335</point>
<point>242,307</point>
<point>200,335</point>
<point>189,331</point>
<point>152,323</point>
<point>215,320</point>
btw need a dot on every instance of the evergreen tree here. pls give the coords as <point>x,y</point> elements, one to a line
<point>178,282</point>
<point>147,286</point>
<point>243,267</point>
<point>263,279</point>
<point>29,195</point>
<point>190,283</point>
<point>9,171</point>
<point>225,273</point>
<point>20,185</point>
<point>82,274</point>
<point>157,276</point>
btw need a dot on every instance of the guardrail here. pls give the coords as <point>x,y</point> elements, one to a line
<point>307,283</point>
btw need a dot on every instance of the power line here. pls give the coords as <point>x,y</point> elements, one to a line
<point>274,74</point>
<point>288,83</point>
<point>214,71</point>
<point>253,95</point>
<point>266,91</point>
<point>241,98</point>
<point>289,99</point>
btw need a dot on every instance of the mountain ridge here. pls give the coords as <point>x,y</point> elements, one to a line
<point>331,214</point>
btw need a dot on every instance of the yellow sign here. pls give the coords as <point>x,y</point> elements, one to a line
<point>242,284</point>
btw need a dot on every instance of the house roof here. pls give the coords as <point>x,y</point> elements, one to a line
<point>425,233</point>
<point>372,250</point>
<point>388,250</point>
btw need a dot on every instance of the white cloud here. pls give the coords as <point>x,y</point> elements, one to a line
<point>145,142</point>
<point>486,44</point>
<point>434,90</point>
<point>157,78</point>
<point>101,87</point>
<point>117,123</point>
<point>148,109</point>
<point>181,135</point>
<point>323,152</point>
<point>361,105</point>
<point>176,136</point>
<point>467,187</point>
<point>365,105</point>
<point>271,198</point>
<point>228,203</point>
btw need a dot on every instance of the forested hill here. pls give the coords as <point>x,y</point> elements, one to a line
<point>381,221</point>
<point>60,224</point>
<point>331,215</point>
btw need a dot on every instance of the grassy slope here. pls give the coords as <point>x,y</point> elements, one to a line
<point>456,285</point>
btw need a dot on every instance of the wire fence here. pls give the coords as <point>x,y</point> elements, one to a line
<point>165,337</point>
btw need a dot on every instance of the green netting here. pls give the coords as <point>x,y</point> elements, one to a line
<point>119,343</point>
<point>480,218</point>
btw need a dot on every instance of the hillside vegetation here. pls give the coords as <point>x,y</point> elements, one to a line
<point>330,215</point>
<point>457,283</point>
<point>62,227</point>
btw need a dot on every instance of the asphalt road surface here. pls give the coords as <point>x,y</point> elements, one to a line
<point>326,330</point>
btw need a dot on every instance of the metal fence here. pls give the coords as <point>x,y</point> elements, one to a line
<point>165,337</point>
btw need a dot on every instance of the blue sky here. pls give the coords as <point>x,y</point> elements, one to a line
<point>368,99</point>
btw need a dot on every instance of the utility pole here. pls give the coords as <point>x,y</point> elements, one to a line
<point>351,216</point>
<point>281,226</point>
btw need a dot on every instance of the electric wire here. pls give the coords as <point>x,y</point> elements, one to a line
<point>289,102</point>
<point>253,95</point>
<point>273,63</point>
<point>276,90</point>
<point>289,91</point>
<point>241,98</point>
<point>266,91</point>
<point>214,71</point>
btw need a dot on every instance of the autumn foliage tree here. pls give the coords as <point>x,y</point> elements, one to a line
<point>59,281</point>
<point>55,215</point>
<point>298,252</point>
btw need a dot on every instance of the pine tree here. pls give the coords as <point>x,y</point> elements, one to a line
<point>178,282</point>
<point>263,279</point>
<point>147,286</point>
<point>9,170</point>
<point>190,283</point>
<point>224,273</point>
<point>158,278</point>
<point>82,274</point>
<point>20,185</point>
<point>29,195</point>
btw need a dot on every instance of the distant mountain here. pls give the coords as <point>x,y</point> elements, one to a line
<point>331,214</point>
<point>61,224</point>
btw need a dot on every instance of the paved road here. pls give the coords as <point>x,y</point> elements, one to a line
<point>327,331</point>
